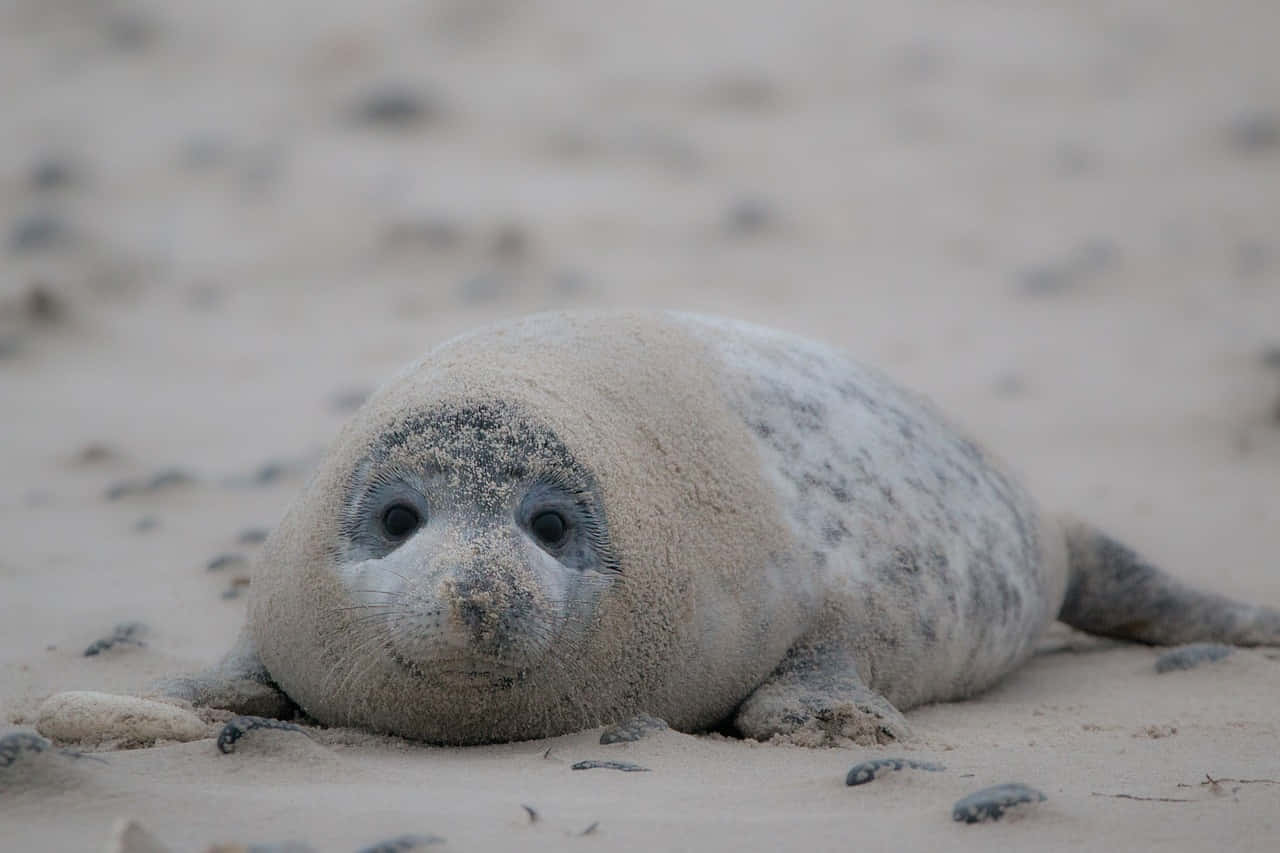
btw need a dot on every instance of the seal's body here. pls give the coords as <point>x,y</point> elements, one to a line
<point>563,521</point>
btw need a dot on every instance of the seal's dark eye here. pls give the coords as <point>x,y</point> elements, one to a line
<point>549,527</point>
<point>399,520</point>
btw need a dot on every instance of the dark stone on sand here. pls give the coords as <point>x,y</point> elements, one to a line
<point>861,774</point>
<point>1191,656</point>
<point>204,150</point>
<point>43,305</point>
<point>433,233</point>
<point>238,727</point>
<point>1252,258</point>
<point>1072,160</point>
<point>15,744</point>
<point>510,242</point>
<point>394,105</point>
<point>486,287</point>
<point>624,766</point>
<point>38,232</point>
<point>253,536</point>
<point>52,173</point>
<point>237,587</point>
<point>131,30</point>
<point>168,478</point>
<point>1091,258</point>
<point>1254,131</point>
<point>162,480</point>
<point>748,216</point>
<point>269,472</point>
<point>124,634</point>
<point>638,727</point>
<point>991,803</point>
<point>348,399</point>
<point>223,561</point>
<point>402,844</point>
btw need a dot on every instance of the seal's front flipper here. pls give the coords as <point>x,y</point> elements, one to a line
<point>816,698</point>
<point>239,683</point>
<point>1113,592</point>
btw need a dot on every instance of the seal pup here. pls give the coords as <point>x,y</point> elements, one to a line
<point>562,521</point>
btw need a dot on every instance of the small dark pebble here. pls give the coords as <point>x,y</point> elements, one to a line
<point>639,726</point>
<point>146,524</point>
<point>202,151</point>
<point>402,843</point>
<point>1188,657</point>
<point>1094,256</point>
<point>269,472</point>
<point>1254,131</point>
<point>570,283</point>
<point>348,399</point>
<point>44,305</point>
<point>1010,384</point>
<point>1072,159</point>
<point>1252,258</point>
<point>510,242</point>
<point>38,232</point>
<point>253,536</point>
<point>590,829</point>
<point>14,744</point>
<point>485,287</point>
<point>131,31</point>
<point>52,173</point>
<point>748,93</point>
<point>1089,259</point>
<point>93,454</point>
<point>124,634</point>
<point>238,727</point>
<point>531,811</point>
<point>861,774</point>
<point>749,216</point>
<point>222,561</point>
<point>237,586</point>
<point>166,479</point>
<point>1047,278</point>
<point>991,803</point>
<point>394,106</point>
<point>625,766</point>
<point>434,233</point>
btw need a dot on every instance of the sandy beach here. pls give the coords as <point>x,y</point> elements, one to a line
<point>225,224</point>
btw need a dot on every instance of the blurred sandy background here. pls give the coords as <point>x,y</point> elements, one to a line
<point>223,223</point>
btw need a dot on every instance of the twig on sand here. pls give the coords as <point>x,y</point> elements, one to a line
<point>1144,799</point>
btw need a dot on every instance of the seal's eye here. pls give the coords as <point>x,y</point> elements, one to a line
<point>399,520</point>
<point>549,527</point>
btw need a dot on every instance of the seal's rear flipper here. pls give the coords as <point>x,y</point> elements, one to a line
<point>1113,592</point>
<point>238,683</point>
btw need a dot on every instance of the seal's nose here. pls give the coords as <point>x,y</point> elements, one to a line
<point>474,608</point>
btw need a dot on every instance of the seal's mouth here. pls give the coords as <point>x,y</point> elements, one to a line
<point>462,671</point>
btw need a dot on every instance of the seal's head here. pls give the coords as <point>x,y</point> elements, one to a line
<point>535,529</point>
<point>473,545</point>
